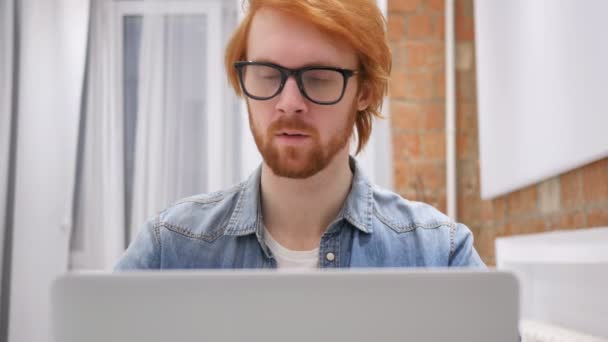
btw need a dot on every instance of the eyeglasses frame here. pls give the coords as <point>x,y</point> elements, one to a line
<point>297,73</point>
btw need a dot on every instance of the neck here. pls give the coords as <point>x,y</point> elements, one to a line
<point>297,211</point>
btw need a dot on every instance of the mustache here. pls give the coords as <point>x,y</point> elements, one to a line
<point>291,123</point>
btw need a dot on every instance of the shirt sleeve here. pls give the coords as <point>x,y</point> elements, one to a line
<point>463,253</point>
<point>143,252</point>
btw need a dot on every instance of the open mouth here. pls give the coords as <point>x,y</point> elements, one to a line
<point>292,138</point>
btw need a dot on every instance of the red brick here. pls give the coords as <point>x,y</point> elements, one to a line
<point>500,208</point>
<point>466,146</point>
<point>465,86</point>
<point>405,116</point>
<point>433,117</point>
<point>433,146</point>
<point>469,207</point>
<point>396,26</point>
<point>476,228</point>
<point>552,221</point>
<point>508,229</point>
<point>419,26</point>
<point>466,118</point>
<point>463,8</point>
<point>595,181</point>
<point>435,6</point>
<point>439,28</point>
<point>464,28</point>
<point>485,244</point>
<point>439,85</point>
<point>523,201</point>
<point>536,225</point>
<point>435,199</point>
<point>492,210</point>
<point>527,226</point>
<point>571,193</point>
<point>598,217</point>
<point>424,55</point>
<point>406,145</point>
<point>403,176</point>
<point>397,84</point>
<point>403,5</point>
<point>467,176</point>
<point>442,203</point>
<point>487,211</point>
<point>572,220</point>
<point>419,85</point>
<point>431,175</point>
<point>421,117</point>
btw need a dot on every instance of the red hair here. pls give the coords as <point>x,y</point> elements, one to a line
<point>357,22</point>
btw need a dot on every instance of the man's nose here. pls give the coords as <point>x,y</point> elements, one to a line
<point>290,98</point>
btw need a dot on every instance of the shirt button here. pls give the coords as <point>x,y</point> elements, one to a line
<point>330,256</point>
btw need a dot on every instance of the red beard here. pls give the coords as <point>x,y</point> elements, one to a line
<point>299,161</point>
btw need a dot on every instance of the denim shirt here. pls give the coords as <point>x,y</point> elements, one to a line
<point>374,228</point>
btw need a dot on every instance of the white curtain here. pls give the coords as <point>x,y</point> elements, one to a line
<point>159,121</point>
<point>170,153</point>
<point>99,229</point>
<point>52,46</point>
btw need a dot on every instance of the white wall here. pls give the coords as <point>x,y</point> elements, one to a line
<point>52,63</point>
<point>542,83</point>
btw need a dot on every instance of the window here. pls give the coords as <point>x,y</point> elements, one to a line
<point>161,120</point>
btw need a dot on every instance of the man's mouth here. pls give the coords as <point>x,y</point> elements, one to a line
<point>292,137</point>
<point>292,134</point>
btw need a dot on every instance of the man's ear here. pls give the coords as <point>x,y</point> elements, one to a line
<point>363,97</point>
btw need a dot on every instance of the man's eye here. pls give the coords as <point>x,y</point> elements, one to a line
<point>318,81</point>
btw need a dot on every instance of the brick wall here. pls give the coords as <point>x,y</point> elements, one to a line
<point>416,33</point>
<point>573,200</point>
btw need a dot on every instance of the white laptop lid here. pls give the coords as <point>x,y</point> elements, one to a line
<point>230,306</point>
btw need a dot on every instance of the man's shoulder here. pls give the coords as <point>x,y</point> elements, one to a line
<point>402,215</point>
<point>203,216</point>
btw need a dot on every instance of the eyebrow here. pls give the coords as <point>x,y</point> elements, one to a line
<point>306,65</point>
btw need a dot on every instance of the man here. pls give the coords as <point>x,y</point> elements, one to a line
<point>311,72</point>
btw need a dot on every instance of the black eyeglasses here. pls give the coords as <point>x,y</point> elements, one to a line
<point>321,85</point>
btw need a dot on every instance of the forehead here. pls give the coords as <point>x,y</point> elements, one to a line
<point>292,42</point>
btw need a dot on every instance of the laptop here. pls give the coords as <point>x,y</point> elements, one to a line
<point>261,305</point>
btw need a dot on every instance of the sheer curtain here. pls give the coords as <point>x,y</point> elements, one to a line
<point>160,120</point>
<point>98,235</point>
<point>51,58</point>
<point>170,154</point>
<point>185,114</point>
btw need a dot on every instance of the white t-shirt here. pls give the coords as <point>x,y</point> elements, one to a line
<point>288,259</point>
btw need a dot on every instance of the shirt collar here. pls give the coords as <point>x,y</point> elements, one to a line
<point>358,207</point>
